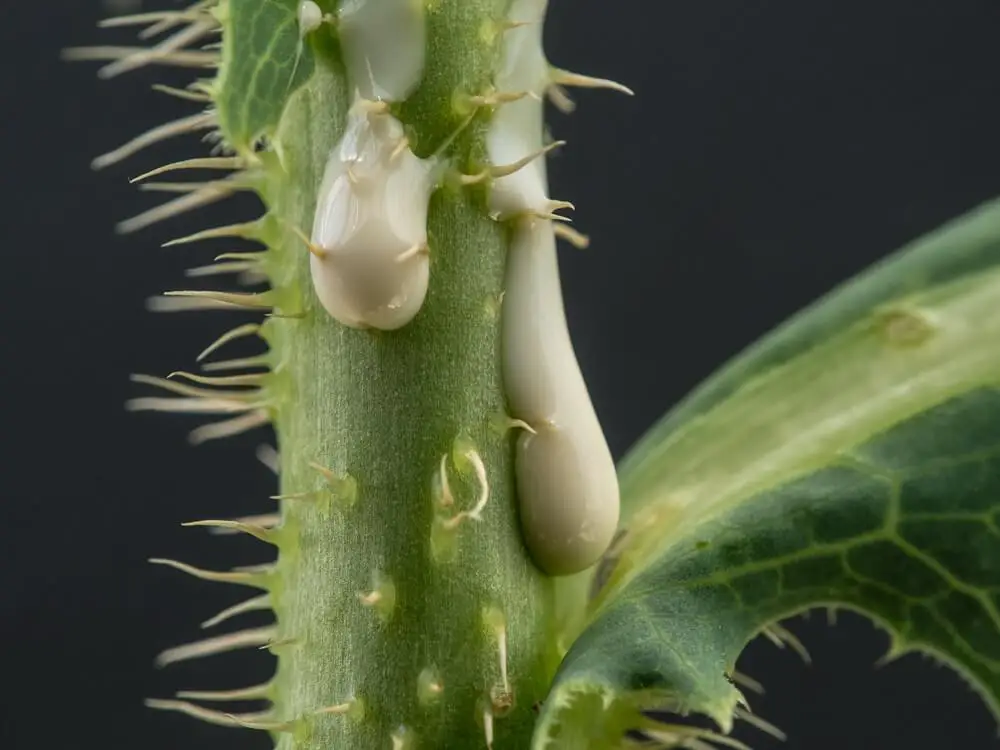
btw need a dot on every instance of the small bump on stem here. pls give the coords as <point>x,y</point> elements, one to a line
<point>403,738</point>
<point>341,489</point>
<point>465,456</point>
<point>382,597</point>
<point>429,686</point>
<point>501,696</point>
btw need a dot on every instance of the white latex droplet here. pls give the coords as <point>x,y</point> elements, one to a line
<point>371,225</point>
<point>566,479</point>
<point>310,17</point>
<point>384,43</point>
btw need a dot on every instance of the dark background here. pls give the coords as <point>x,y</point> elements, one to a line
<point>774,149</point>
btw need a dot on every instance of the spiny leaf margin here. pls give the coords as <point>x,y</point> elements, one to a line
<point>897,520</point>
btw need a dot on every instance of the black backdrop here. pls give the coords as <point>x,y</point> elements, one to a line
<point>774,149</point>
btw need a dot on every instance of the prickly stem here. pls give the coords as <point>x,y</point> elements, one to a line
<point>385,407</point>
<point>409,612</point>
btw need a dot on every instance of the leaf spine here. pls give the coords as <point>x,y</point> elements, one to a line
<point>781,636</point>
<point>759,723</point>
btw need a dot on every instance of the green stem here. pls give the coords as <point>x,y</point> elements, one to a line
<point>383,408</point>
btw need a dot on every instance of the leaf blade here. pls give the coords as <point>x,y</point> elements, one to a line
<point>847,459</point>
<point>265,61</point>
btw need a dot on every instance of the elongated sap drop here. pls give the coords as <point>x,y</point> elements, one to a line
<point>566,478</point>
<point>384,44</point>
<point>370,265</point>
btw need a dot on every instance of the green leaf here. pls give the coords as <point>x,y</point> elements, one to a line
<point>850,459</point>
<point>264,62</point>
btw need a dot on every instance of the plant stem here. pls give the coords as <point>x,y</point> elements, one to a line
<point>469,627</point>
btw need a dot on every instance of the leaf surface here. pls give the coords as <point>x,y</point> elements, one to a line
<point>851,458</point>
<point>265,61</point>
